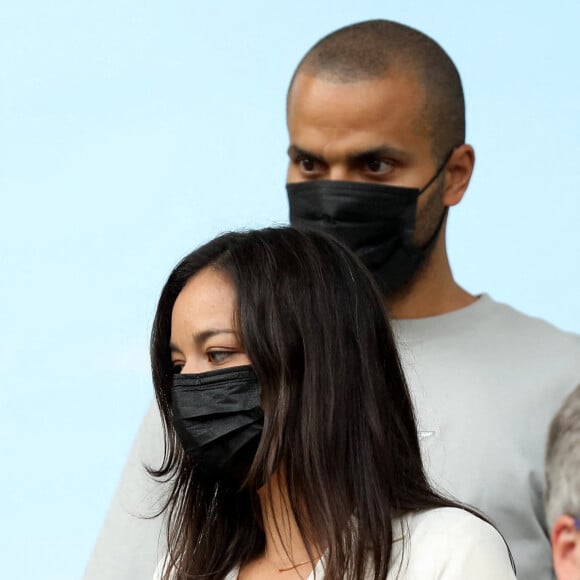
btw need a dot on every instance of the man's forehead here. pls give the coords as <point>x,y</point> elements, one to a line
<point>397,82</point>
<point>367,100</point>
<point>355,117</point>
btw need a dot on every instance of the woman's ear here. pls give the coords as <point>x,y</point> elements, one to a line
<point>565,538</point>
<point>458,173</point>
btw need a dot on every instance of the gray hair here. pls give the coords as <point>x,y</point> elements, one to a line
<point>563,461</point>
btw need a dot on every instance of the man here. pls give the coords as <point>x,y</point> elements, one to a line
<point>377,158</point>
<point>563,488</point>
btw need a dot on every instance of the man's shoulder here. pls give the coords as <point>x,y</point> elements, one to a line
<point>490,340</point>
<point>511,321</point>
<point>486,324</point>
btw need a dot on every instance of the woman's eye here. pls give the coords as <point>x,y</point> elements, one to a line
<point>218,356</point>
<point>177,368</point>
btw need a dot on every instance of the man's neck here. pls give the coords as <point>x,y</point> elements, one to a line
<point>432,292</point>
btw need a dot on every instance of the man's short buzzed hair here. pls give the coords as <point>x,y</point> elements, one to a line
<point>563,461</point>
<point>376,48</point>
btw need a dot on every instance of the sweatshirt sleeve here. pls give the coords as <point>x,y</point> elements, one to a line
<point>129,545</point>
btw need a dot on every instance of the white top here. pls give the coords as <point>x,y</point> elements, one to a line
<point>440,544</point>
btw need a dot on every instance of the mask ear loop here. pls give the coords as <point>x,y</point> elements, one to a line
<point>439,170</point>
<point>432,239</point>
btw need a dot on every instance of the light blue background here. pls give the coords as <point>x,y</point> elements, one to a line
<point>131,131</point>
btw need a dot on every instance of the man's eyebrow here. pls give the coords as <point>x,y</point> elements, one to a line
<point>380,151</point>
<point>200,337</point>
<point>294,151</point>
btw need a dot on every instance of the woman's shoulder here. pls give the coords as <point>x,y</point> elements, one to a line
<point>232,575</point>
<point>449,520</point>
<point>452,543</point>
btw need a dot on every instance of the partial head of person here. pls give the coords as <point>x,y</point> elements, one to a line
<point>274,363</point>
<point>563,488</point>
<point>376,120</point>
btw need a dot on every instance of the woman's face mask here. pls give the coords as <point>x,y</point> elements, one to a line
<point>218,419</point>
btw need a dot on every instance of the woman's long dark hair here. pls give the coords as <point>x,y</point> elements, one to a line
<point>338,415</point>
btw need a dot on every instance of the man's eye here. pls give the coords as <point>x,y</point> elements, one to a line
<point>218,356</point>
<point>307,164</point>
<point>375,165</point>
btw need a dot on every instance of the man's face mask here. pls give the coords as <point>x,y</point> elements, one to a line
<point>218,419</point>
<point>377,222</point>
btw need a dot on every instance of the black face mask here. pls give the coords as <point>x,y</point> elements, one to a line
<point>377,222</point>
<point>217,417</point>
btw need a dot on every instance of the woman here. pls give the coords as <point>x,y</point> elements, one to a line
<point>291,444</point>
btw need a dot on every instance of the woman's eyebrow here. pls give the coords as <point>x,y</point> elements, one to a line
<point>201,337</point>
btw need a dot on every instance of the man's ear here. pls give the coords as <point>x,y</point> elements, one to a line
<point>458,173</point>
<point>565,538</point>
